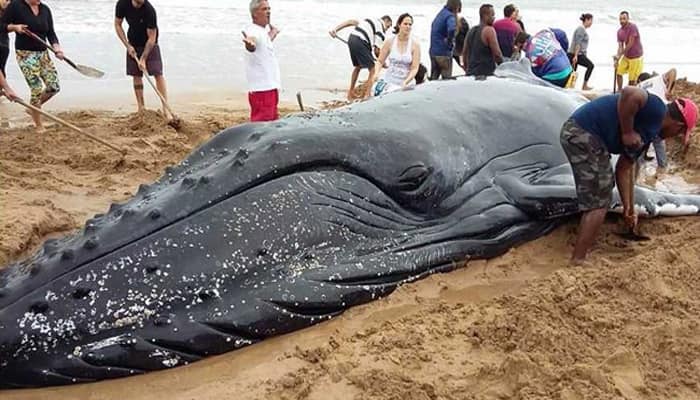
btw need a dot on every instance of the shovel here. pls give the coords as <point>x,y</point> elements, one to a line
<point>65,123</point>
<point>175,122</point>
<point>83,69</point>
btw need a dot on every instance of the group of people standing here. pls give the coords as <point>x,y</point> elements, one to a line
<point>33,25</point>
<point>624,124</point>
<point>552,56</point>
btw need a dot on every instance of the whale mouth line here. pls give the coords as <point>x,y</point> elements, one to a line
<point>277,174</point>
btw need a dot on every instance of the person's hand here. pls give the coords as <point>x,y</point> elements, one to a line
<point>132,52</point>
<point>273,32</point>
<point>142,64</point>
<point>9,93</point>
<point>333,33</point>
<point>574,60</point>
<point>59,54</point>
<point>19,28</point>
<point>631,219</point>
<point>248,41</point>
<point>632,140</point>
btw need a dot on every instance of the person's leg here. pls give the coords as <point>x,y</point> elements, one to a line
<point>353,82</point>
<point>593,175</point>
<point>370,83</point>
<point>619,83</point>
<point>29,64</point>
<point>590,224</point>
<point>588,64</point>
<point>49,76</point>
<point>138,92</point>
<point>445,67</point>
<point>635,69</point>
<point>132,70</point>
<point>163,89</point>
<point>154,67</point>
<point>622,69</point>
<point>434,68</point>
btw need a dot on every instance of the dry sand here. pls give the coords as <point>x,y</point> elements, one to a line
<point>521,326</point>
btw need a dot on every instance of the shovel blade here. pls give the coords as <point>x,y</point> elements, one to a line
<point>90,71</point>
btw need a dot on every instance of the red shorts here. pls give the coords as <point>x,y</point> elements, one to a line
<point>263,105</point>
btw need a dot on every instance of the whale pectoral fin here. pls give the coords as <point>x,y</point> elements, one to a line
<point>543,200</point>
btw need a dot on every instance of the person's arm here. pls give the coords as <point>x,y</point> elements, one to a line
<point>628,45</point>
<point>119,15</point>
<point>624,176</point>
<point>451,30</point>
<point>249,42</point>
<point>150,44</point>
<point>51,35</point>
<point>465,51</point>
<point>345,24</point>
<point>632,99</point>
<point>152,33</point>
<point>6,89</point>
<point>122,36</point>
<point>10,18</point>
<point>273,33</point>
<point>492,42</point>
<point>669,78</point>
<point>383,54</point>
<point>415,64</point>
<point>620,48</point>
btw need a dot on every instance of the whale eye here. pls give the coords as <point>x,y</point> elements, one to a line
<point>413,177</point>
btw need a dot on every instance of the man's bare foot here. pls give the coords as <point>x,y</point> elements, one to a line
<point>586,87</point>
<point>661,172</point>
<point>580,263</point>
<point>39,129</point>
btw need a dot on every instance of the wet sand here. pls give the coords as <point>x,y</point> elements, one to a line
<point>521,326</point>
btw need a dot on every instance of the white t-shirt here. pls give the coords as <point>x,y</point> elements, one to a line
<point>655,86</point>
<point>262,68</point>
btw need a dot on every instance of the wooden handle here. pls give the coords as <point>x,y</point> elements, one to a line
<point>68,124</point>
<point>160,95</point>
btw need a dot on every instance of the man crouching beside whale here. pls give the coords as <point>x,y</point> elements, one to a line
<point>624,124</point>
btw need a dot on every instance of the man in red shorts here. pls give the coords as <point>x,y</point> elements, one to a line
<point>141,43</point>
<point>262,68</point>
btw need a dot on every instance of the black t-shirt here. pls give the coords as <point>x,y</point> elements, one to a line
<point>19,12</point>
<point>139,20</point>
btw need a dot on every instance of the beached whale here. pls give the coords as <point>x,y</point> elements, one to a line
<point>273,227</point>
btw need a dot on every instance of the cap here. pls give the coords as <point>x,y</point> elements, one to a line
<point>689,111</point>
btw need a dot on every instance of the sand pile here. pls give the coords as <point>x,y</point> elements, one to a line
<point>52,182</point>
<point>521,326</point>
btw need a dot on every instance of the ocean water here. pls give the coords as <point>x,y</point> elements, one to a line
<point>202,49</point>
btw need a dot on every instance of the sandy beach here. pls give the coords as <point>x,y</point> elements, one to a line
<point>520,326</point>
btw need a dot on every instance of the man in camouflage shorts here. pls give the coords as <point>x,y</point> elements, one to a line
<point>590,163</point>
<point>624,124</point>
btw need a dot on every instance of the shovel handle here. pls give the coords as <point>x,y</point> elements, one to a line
<point>65,123</point>
<point>150,82</point>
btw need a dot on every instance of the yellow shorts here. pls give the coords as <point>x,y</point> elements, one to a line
<point>632,67</point>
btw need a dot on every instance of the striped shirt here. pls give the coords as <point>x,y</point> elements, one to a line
<point>370,31</point>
